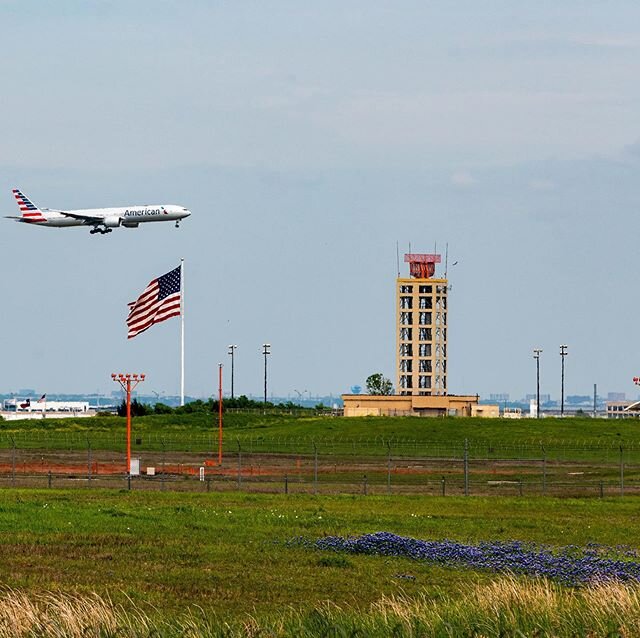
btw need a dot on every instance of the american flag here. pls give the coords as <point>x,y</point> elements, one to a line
<point>160,300</point>
<point>42,398</point>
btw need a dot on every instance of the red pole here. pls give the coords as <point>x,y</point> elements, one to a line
<point>128,426</point>
<point>125,383</point>
<point>220,416</point>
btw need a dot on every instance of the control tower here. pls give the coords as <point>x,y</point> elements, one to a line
<point>421,328</point>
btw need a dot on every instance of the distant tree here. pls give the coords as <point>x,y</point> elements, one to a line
<point>288,405</point>
<point>137,408</point>
<point>378,384</point>
<point>162,408</point>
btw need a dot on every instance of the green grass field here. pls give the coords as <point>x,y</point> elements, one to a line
<point>228,552</point>
<point>223,557</point>
<point>567,438</point>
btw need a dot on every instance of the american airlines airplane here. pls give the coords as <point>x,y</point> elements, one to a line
<point>101,220</point>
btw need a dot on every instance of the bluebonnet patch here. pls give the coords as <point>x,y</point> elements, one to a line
<point>570,565</point>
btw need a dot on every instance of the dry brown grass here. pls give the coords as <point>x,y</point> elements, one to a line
<point>66,616</point>
<point>509,606</point>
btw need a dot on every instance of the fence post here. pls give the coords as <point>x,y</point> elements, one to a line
<point>621,471</point>
<point>315,468</point>
<point>286,483</point>
<point>162,477</point>
<point>601,490</point>
<point>13,462</point>
<point>364,485</point>
<point>128,481</point>
<point>88,459</point>
<point>49,480</point>
<point>444,482</point>
<point>388,467</point>
<point>544,471</point>
<point>520,486</point>
<point>239,464</point>
<point>466,467</point>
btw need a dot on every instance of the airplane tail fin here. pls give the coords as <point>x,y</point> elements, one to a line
<point>30,212</point>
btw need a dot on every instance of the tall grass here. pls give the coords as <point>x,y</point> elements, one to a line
<point>506,607</point>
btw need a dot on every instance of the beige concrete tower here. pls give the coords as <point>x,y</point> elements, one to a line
<point>421,328</point>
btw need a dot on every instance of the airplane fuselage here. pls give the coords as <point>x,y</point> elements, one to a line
<point>129,216</point>
<point>100,220</point>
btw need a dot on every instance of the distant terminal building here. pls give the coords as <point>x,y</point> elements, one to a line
<point>31,408</point>
<point>623,409</point>
<point>421,329</point>
<point>512,413</point>
<point>33,405</point>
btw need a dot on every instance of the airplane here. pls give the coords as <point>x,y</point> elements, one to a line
<point>101,220</point>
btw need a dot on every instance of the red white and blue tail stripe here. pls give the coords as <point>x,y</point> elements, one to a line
<point>30,212</point>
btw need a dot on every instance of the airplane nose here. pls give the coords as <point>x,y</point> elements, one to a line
<point>186,213</point>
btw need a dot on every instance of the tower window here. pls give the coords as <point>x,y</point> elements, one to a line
<point>424,365</point>
<point>424,350</point>
<point>406,365</point>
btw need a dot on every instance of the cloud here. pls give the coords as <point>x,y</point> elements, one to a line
<point>463,179</point>
<point>541,185</point>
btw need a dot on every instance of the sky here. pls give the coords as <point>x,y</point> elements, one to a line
<point>309,140</point>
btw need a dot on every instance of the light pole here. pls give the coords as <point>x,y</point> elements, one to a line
<point>536,356</point>
<point>232,349</point>
<point>128,382</point>
<point>266,352</point>
<point>563,354</point>
<point>220,413</point>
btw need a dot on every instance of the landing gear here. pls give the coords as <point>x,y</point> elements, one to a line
<point>178,224</point>
<point>102,231</point>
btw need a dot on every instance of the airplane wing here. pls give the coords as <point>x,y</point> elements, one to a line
<point>87,219</point>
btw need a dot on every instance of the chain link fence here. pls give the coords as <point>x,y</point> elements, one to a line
<point>324,466</point>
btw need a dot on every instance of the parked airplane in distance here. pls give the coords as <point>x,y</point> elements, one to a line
<point>101,220</point>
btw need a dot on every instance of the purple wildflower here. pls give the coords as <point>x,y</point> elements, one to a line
<point>571,565</point>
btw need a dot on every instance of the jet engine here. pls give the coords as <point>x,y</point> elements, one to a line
<point>112,222</point>
<point>131,224</point>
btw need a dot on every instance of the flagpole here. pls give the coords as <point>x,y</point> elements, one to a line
<point>182,331</point>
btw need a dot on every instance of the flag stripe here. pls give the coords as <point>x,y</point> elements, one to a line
<point>160,300</point>
<point>157,308</point>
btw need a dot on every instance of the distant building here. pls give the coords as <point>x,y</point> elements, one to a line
<point>421,329</point>
<point>512,413</point>
<point>616,396</point>
<point>32,405</point>
<point>410,405</point>
<point>421,354</point>
<point>502,397</point>
<point>623,409</point>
